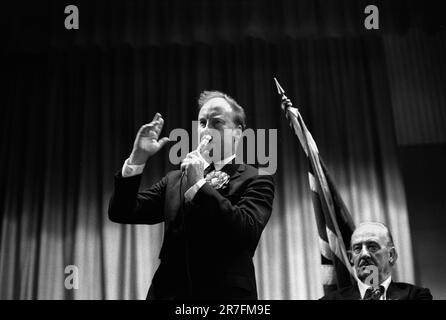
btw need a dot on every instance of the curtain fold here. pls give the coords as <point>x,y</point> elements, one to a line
<point>417,76</point>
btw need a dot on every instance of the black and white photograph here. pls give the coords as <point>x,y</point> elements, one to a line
<point>220,156</point>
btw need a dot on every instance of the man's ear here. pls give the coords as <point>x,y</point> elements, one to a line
<point>350,256</point>
<point>237,133</point>
<point>393,256</point>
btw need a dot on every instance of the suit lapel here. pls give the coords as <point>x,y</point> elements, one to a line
<point>173,205</point>
<point>396,293</point>
<point>234,171</point>
<point>353,293</point>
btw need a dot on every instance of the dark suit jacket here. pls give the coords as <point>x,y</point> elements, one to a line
<point>209,243</point>
<point>396,291</point>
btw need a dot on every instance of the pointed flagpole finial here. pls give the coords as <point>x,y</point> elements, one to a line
<point>279,88</point>
<point>286,103</point>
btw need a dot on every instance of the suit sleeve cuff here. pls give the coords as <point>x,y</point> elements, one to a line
<point>130,170</point>
<point>192,191</point>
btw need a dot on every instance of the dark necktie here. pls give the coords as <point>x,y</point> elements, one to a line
<point>209,168</point>
<point>374,293</point>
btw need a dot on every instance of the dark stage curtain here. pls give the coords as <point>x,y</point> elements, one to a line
<point>71,109</point>
<point>37,26</point>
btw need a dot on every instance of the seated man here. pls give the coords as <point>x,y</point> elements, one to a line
<point>372,250</point>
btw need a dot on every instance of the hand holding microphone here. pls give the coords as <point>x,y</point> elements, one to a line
<point>193,165</point>
<point>203,144</point>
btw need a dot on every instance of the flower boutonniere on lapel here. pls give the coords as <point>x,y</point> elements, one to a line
<point>217,179</point>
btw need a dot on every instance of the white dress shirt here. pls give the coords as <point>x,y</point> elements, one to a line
<point>363,288</point>
<point>130,170</point>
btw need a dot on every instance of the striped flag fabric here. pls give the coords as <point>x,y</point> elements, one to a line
<point>334,222</point>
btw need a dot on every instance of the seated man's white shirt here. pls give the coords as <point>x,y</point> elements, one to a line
<point>363,288</point>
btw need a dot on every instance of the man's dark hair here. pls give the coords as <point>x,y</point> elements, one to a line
<point>239,117</point>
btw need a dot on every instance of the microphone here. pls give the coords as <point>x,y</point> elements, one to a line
<point>203,143</point>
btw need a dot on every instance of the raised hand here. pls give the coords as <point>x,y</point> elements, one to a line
<point>147,141</point>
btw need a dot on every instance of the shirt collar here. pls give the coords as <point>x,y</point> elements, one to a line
<point>220,164</point>
<point>363,287</point>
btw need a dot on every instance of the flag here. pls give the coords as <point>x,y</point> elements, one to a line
<point>334,222</point>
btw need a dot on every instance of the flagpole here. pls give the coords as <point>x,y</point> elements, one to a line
<point>309,145</point>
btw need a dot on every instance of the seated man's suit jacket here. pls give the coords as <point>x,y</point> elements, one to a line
<point>209,242</point>
<point>395,291</point>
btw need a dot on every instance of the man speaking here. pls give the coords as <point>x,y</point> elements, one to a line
<point>214,209</point>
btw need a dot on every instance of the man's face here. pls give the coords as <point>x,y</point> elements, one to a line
<point>369,245</point>
<point>216,119</point>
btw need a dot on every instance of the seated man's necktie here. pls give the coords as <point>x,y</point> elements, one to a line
<point>374,293</point>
